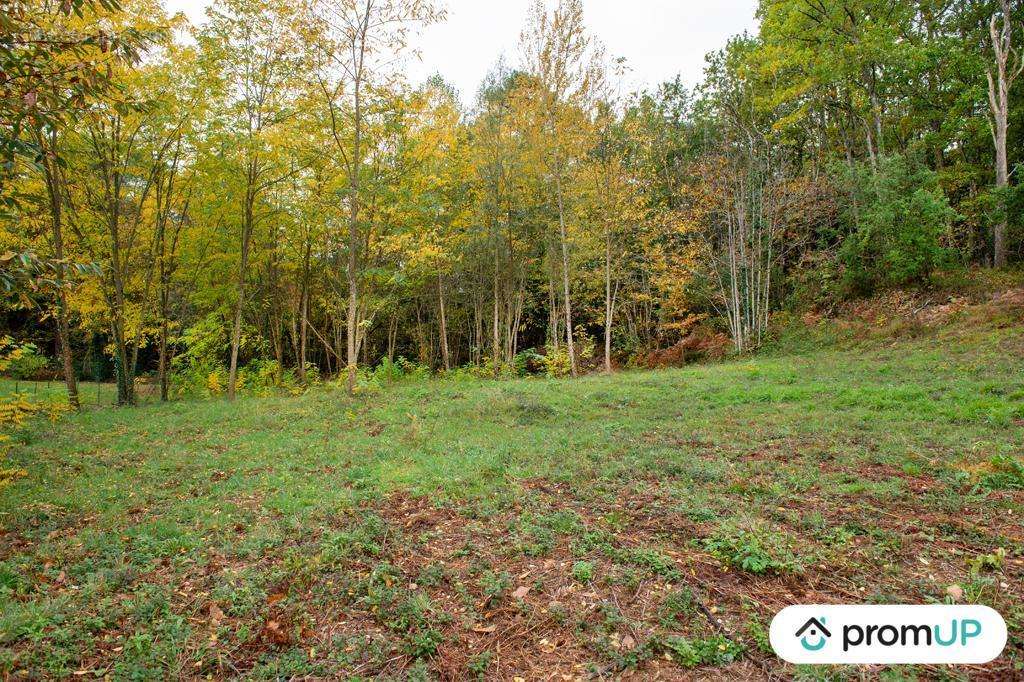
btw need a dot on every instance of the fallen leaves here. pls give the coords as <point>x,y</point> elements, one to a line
<point>274,633</point>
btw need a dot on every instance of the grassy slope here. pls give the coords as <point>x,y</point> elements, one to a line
<point>659,519</point>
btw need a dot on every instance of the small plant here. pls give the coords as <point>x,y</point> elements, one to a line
<point>479,664</point>
<point>993,561</point>
<point>1005,472</point>
<point>755,551</point>
<point>431,575</point>
<point>494,585</point>
<point>424,644</point>
<point>583,571</point>
<point>677,603</point>
<point>25,362</point>
<point>716,650</point>
<point>556,361</point>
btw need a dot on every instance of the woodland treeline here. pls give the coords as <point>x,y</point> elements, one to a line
<point>266,198</point>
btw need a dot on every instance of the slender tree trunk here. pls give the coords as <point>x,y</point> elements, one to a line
<point>352,321</point>
<point>57,234</point>
<point>304,332</point>
<point>999,104</point>
<point>392,334</point>
<point>570,345</point>
<point>126,370</point>
<point>444,324</point>
<point>607,300</point>
<point>243,266</point>
<point>496,337</point>
<point>161,371</point>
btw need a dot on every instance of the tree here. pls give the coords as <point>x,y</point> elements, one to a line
<point>1000,29</point>
<point>356,43</point>
<point>566,64</point>
<point>251,43</point>
<point>53,58</point>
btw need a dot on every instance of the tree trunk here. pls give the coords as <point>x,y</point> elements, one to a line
<point>496,336</point>
<point>444,325</point>
<point>352,321</point>
<point>999,105</point>
<point>57,233</point>
<point>392,334</point>
<point>570,345</point>
<point>607,301</point>
<point>236,333</point>
<point>162,362</point>
<point>304,332</point>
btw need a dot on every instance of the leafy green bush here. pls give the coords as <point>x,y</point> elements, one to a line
<point>583,571</point>
<point>27,363</point>
<point>528,362</point>
<point>900,216</point>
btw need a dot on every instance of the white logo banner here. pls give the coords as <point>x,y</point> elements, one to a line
<point>889,634</point>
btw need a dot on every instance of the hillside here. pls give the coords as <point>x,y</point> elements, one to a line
<point>652,522</point>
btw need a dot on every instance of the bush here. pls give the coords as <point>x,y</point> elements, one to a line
<point>528,362</point>
<point>556,361</point>
<point>27,363</point>
<point>900,216</point>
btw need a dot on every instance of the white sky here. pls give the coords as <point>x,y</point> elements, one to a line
<point>658,38</point>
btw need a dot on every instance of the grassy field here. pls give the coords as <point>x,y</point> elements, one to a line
<point>91,394</point>
<point>649,523</point>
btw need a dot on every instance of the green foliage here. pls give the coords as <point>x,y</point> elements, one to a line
<point>583,571</point>
<point>494,585</point>
<point>301,510</point>
<point>755,550</point>
<point>27,364</point>
<point>690,653</point>
<point>556,361</point>
<point>1004,472</point>
<point>900,217</point>
<point>528,362</point>
<point>479,664</point>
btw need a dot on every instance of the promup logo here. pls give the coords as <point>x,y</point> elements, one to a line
<point>814,628</point>
<point>888,634</point>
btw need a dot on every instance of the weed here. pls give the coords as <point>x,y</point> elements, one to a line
<point>690,653</point>
<point>479,664</point>
<point>583,571</point>
<point>494,585</point>
<point>752,550</point>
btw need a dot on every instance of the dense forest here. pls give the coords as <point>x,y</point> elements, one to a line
<point>265,199</point>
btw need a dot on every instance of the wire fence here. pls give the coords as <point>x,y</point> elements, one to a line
<point>90,393</point>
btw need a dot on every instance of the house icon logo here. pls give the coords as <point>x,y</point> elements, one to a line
<point>813,634</point>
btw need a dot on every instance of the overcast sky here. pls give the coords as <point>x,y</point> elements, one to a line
<point>658,38</point>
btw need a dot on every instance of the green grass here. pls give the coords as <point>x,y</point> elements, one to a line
<point>590,526</point>
<point>91,394</point>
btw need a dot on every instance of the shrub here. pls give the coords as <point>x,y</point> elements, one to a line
<point>26,363</point>
<point>556,361</point>
<point>528,362</point>
<point>1003,472</point>
<point>900,216</point>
